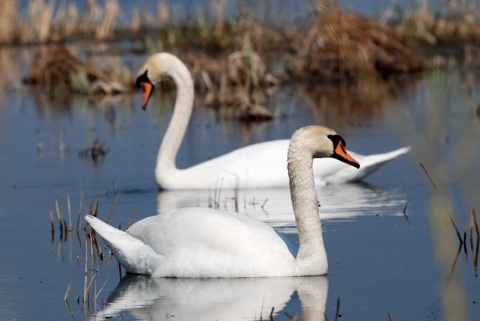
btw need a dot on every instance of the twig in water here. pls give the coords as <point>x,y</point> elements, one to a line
<point>454,265</point>
<point>110,210</point>
<point>444,204</point>
<point>263,204</point>
<point>475,258</point>
<point>85,275</point>
<point>291,317</point>
<point>52,223</point>
<point>69,214</point>
<point>69,288</point>
<point>271,313</point>
<point>405,212</point>
<point>94,245</point>
<point>235,198</point>
<point>130,219</point>
<point>475,223</point>
<point>390,318</point>
<point>60,219</point>
<point>94,209</point>
<point>119,270</point>
<point>98,293</point>
<point>79,214</point>
<point>337,311</point>
<point>69,309</point>
<point>471,229</point>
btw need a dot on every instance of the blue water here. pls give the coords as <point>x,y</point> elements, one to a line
<point>381,260</point>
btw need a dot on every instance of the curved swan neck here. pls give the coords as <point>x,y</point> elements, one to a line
<point>305,204</point>
<point>180,118</point>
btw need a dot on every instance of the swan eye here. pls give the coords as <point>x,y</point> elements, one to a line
<point>336,139</point>
<point>340,153</point>
<point>143,78</point>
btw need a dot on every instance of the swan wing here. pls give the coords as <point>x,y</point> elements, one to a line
<point>255,166</point>
<point>264,165</point>
<point>201,242</point>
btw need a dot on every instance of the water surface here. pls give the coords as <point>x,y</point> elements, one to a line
<point>382,260</point>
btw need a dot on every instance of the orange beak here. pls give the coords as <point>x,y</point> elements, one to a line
<point>341,154</point>
<point>147,89</point>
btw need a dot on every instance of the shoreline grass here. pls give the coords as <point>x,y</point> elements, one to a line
<point>236,64</point>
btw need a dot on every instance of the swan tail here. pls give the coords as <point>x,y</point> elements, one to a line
<point>373,162</point>
<point>135,256</point>
<point>380,159</point>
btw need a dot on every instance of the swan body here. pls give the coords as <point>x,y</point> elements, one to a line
<point>256,166</point>
<point>203,243</point>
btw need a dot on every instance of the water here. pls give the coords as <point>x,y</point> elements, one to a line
<point>382,261</point>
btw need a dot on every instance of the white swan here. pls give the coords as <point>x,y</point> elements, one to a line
<point>202,242</point>
<point>255,166</point>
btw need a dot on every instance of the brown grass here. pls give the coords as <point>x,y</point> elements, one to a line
<point>9,21</point>
<point>424,27</point>
<point>233,83</point>
<point>345,46</point>
<point>105,28</point>
<point>56,68</point>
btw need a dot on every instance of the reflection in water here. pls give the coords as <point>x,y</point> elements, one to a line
<point>350,103</point>
<point>274,206</point>
<point>149,298</point>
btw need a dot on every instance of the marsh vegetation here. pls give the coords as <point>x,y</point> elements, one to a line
<point>237,60</point>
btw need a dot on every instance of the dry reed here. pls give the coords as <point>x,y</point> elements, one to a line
<point>105,29</point>
<point>9,21</point>
<point>90,292</point>
<point>447,210</point>
<point>291,317</point>
<point>345,46</point>
<point>271,313</point>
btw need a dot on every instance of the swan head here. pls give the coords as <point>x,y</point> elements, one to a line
<point>320,141</point>
<point>152,71</point>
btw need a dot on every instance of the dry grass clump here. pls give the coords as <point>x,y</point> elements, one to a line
<point>8,21</point>
<point>51,20</point>
<point>345,46</point>
<point>235,83</point>
<point>425,28</point>
<point>56,68</point>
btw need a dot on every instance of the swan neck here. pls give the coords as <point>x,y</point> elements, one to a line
<point>305,205</point>
<point>179,121</point>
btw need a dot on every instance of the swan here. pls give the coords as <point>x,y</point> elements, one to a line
<point>207,243</point>
<point>254,166</point>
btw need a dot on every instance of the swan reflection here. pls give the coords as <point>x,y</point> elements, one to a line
<point>147,298</point>
<point>274,206</point>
